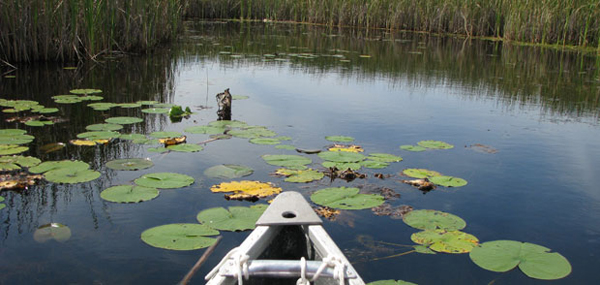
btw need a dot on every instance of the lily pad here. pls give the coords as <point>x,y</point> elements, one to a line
<point>21,161</point>
<point>15,136</point>
<point>86,91</point>
<point>205,130</point>
<point>163,105</point>
<point>184,147</point>
<point>2,205</point>
<point>420,173</point>
<point>130,164</point>
<point>54,165</point>
<point>12,149</point>
<point>129,105</point>
<point>158,149</point>
<point>435,144</point>
<point>37,123</point>
<point>251,133</point>
<point>155,110</point>
<point>384,157</point>
<point>340,156</point>
<point>83,142</point>
<point>446,241</point>
<point>165,180</point>
<point>147,102</point>
<point>374,164</point>
<point>228,124</point>
<point>129,194</point>
<point>48,110</point>
<point>71,175</point>
<point>104,127</point>
<point>534,260</point>
<point>234,219</point>
<point>100,135</point>
<point>246,189</point>
<point>285,146</point>
<point>448,181</point>
<point>102,106</point>
<point>346,198</point>
<point>300,176</point>
<point>265,141</point>
<point>415,148</point>
<point>179,236</point>
<point>123,120</point>
<point>347,148</point>
<point>342,165</point>
<point>132,137</point>
<point>228,171</point>
<point>287,160</point>
<point>163,135</point>
<point>432,220</point>
<point>52,231</point>
<point>339,138</point>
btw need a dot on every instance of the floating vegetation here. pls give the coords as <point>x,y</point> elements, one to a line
<point>422,184</point>
<point>348,148</point>
<point>2,205</point>
<point>384,157</point>
<point>251,133</point>
<point>448,181</point>
<point>52,231</point>
<point>342,165</point>
<point>124,120</point>
<point>327,212</point>
<point>164,135</point>
<point>435,144</point>
<point>265,141</point>
<point>99,135</point>
<point>343,157</point>
<point>185,147</point>
<point>386,209</point>
<point>228,171</point>
<point>300,176</point>
<point>287,160</point>
<point>434,220</point>
<point>15,137</point>
<point>52,147</point>
<point>420,173</point>
<point>83,142</point>
<point>415,148</point>
<point>446,241</point>
<point>234,219</point>
<point>36,123</point>
<point>129,105</point>
<point>534,260</point>
<point>155,110</point>
<point>172,141</point>
<point>71,175</point>
<point>246,190</point>
<point>285,146</point>
<point>179,112</point>
<point>147,102</point>
<point>104,127</point>
<point>132,137</point>
<point>343,139</point>
<point>346,198</point>
<point>129,194</point>
<point>18,181</point>
<point>374,164</point>
<point>347,174</point>
<point>9,163</point>
<point>6,149</point>
<point>158,149</point>
<point>165,180</point>
<point>102,106</point>
<point>211,130</point>
<point>228,124</point>
<point>179,236</point>
<point>130,164</point>
<point>86,91</point>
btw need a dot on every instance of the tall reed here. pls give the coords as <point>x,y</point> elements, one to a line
<point>563,22</point>
<point>67,30</point>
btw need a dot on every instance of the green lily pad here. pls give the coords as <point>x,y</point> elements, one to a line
<point>342,165</point>
<point>132,137</point>
<point>15,136</point>
<point>391,282</point>
<point>446,241</point>
<point>52,231</point>
<point>85,91</point>
<point>534,260</point>
<point>36,123</point>
<point>287,160</point>
<point>228,171</point>
<point>71,175</point>
<point>130,164</point>
<point>300,176</point>
<point>448,181</point>
<point>374,164</point>
<point>54,165</point>
<point>341,156</point>
<point>158,149</point>
<point>123,120</point>
<point>339,138</point>
<point>234,219</point>
<point>100,135</point>
<point>205,130</point>
<point>48,110</point>
<point>147,102</point>
<point>129,105</point>
<point>265,141</point>
<point>163,105</point>
<point>165,180</point>
<point>435,144</point>
<point>228,124</point>
<point>384,157</point>
<point>102,106</point>
<point>104,127</point>
<point>12,149</point>
<point>346,198</point>
<point>17,161</point>
<point>184,147</point>
<point>129,194</point>
<point>155,110</point>
<point>179,236</point>
<point>423,249</point>
<point>2,205</point>
<point>415,148</point>
<point>420,173</point>
<point>8,166</point>
<point>164,135</point>
<point>251,133</point>
<point>432,220</point>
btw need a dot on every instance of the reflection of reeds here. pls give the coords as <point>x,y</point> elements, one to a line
<point>564,22</point>
<point>68,30</point>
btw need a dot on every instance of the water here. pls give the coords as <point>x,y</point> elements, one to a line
<point>537,107</point>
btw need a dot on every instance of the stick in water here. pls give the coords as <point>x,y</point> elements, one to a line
<point>199,263</point>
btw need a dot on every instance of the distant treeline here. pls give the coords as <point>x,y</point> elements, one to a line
<point>68,30</point>
<point>560,22</point>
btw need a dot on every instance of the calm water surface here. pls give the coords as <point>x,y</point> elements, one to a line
<point>538,108</point>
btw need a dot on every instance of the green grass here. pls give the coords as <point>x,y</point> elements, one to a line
<point>69,30</point>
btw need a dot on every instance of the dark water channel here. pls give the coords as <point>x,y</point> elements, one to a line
<point>538,108</point>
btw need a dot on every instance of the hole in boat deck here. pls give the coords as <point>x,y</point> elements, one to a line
<point>288,214</point>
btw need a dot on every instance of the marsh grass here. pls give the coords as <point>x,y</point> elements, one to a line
<point>68,30</point>
<point>551,22</point>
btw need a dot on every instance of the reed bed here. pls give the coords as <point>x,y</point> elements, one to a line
<point>68,30</point>
<point>552,22</point>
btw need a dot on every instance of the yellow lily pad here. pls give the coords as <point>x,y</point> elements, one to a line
<point>246,190</point>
